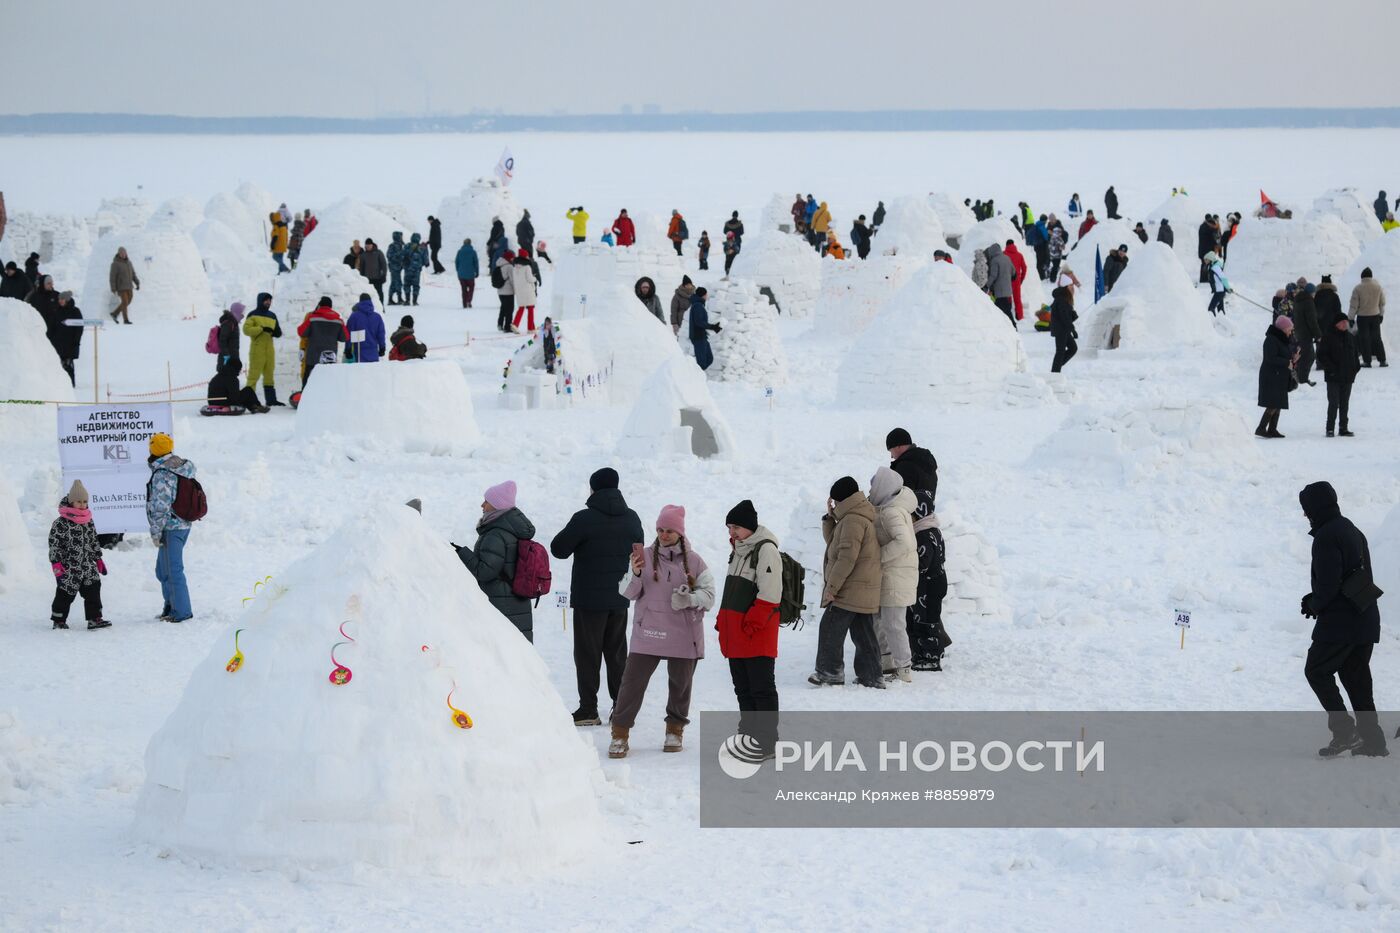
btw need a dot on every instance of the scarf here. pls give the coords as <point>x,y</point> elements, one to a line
<point>76,516</point>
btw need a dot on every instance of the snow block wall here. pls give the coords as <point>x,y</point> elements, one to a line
<point>939,341</point>
<point>18,568</point>
<point>1382,257</point>
<point>1153,304</point>
<point>342,223</point>
<point>955,216</point>
<point>911,228</point>
<point>236,273</point>
<point>748,349</point>
<point>785,264</point>
<point>1267,254</point>
<point>676,414</point>
<point>274,766</point>
<point>469,214</point>
<point>585,272</point>
<point>974,571</point>
<point>1351,209</point>
<point>174,284</point>
<point>853,292</point>
<point>420,405</point>
<point>62,242</point>
<point>116,215</point>
<point>295,294</point>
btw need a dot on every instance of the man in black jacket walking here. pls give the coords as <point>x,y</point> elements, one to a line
<point>599,538</point>
<point>1345,633</point>
<point>435,243</point>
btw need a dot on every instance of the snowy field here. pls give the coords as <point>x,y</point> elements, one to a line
<point>1086,507</point>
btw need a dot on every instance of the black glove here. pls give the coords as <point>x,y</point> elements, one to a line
<point>1306,607</point>
<point>715,327</point>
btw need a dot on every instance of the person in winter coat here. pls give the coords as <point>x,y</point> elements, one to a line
<point>403,345</point>
<point>435,244</point>
<point>860,237</point>
<point>799,213</point>
<point>324,331</point>
<point>396,254</point>
<point>1165,234</point>
<point>295,240</point>
<point>645,290</point>
<point>1114,265</point>
<point>735,226</point>
<point>808,211</point>
<point>748,622</point>
<point>1018,262</point>
<point>122,280</point>
<point>1062,318</point>
<point>851,577</point>
<point>76,560</point>
<point>928,639</point>
<point>1206,239</point>
<point>600,539</point>
<point>352,258</point>
<point>624,229</point>
<point>1367,311</point>
<point>1041,244</point>
<point>373,265</point>
<point>1381,206</point>
<point>281,235</point>
<point>549,345</point>
<point>700,328</point>
<point>1345,633</point>
<point>366,329</point>
<point>980,269</point>
<point>496,242</point>
<point>227,339</point>
<point>1219,284</point>
<point>31,267</point>
<point>525,281</point>
<point>608,238</point>
<point>1090,222</point>
<point>578,217</point>
<point>672,588</point>
<point>468,268</point>
<point>680,303</point>
<point>224,391</point>
<point>1338,356</point>
<point>677,231</point>
<point>1059,238</point>
<point>262,328</point>
<point>703,246</point>
<point>1140,232</point>
<point>493,560</point>
<point>1329,303</point>
<point>821,224</point>
<point>415,258</point>
<point>65,338</point>
<point>1390,223</point>
<point>14,283</point>
<point>899,568</point>
<point>44,299</point>
<point>833,247</point>
<point>1074,208</point>
<point>1307,330</point>
<point>169,531</point>
<point>504,282</point>
<point>1110,203</point>
<point>877,219</point>
<point>1275,376</point>
<point>524,234</point>
<point>1001,281</point>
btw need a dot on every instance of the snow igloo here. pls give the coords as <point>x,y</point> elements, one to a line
<point>1185,216</point>
<point>747,350</point>
<point>675,414</point>
<point>470,212</point>
<point>585,272</point>
<point>251,230</point>
<point>955,216</point>
<point>1153,306</point>
<point>611,357</point>
<point>29,369</point>
<point>174,284</point>
<point>117,215</point>
<point>295,294</point>
<point>853,292</point>
<point>1382,257</point>
<point>785,266</point>
<point>236,273</point>
<point>998,230</point>
<point>420,405</point>
<point>62,242</point>
<point>343,222</point>
<point>443,748</point>
<point>1351,209</point>
<point>1267,254</point>
<point>911,228</point>
<point>1106,236</point>
<point>938,341</point>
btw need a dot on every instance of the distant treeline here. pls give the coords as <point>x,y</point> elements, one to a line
<point>788,122</point>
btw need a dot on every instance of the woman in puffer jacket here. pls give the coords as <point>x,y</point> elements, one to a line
<point>899,569</point>
<point>672,588</point>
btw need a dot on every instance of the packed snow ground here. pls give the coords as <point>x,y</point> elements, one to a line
<point>1137,490</point>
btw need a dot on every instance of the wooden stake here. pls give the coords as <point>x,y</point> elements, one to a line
<point>169,383</point>
<point>1183,638</point>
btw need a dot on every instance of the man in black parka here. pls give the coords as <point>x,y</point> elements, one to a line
<point>599,538</point>
<point>1345,634</point>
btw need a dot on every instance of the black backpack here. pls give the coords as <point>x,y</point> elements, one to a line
<point>498,278</point>
<point>794,599</point>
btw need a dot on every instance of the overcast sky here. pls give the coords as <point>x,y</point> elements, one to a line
<point>347,58</point>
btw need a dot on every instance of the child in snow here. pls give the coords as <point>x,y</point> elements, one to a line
<point>704,250</point>
<point>540,246</point>
<point>549,345</point>
<point>76,559</point>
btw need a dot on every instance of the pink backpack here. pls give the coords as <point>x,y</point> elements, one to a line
<point>211,344</point>
<point>532,576</point>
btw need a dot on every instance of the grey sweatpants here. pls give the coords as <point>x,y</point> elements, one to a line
<point>680,677</point>
<point>893,636</point>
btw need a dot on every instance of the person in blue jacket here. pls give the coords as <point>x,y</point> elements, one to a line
<point>700,327</point>
<point>468,268</point>
<point>1074,207</point>
<point>810,210</point>
<point>366,332</point>
<point>1042,247</point>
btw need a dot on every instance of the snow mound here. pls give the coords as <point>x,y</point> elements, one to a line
<point>1267,254</point>
<point>998,230</point>
<point>1139,441</point>
<point>259,203</point>
<point>1185,217</point>
<point>1351,209</point>
<point>784,264</point>
<point>469,214</point>
<point>174,284</point>
<point>1106,237</point>
<point>1153,305</point>
<point>1385,545</point>
<point>343,222</point>
<point>236,273</point>
<point>938,341</point>
<point>675,414</point>
<point>29,368</point>
<point>422,405</point>
<point>1382,257</point>
<point>116,215</point>
<point>274,766</point>
<point>583,272</point>
<point>17,565</point>
<point>911,228</point>
<point>776,213</point>
<point>181,213</point>
<point>748,349</point>
<point>955,216</point>
<point>251,229</point>
<point>296,293</point>
<point>974,571</point>
<point>853,292</point>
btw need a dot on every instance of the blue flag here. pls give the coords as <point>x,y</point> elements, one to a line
<point>1099,290</point>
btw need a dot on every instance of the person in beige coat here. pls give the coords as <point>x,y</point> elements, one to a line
<point>1367,311</point>
<point>122,279</point>
<point>899,569</point>
<point>852,578</point>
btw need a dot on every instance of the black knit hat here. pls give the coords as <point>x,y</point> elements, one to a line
<point>1366,272</point>
<point>743,515</point>
<point>606,478</point>
<point>898,438</point>
<point>325,302</point>
<point>844,488</point>
<point>406,321</point>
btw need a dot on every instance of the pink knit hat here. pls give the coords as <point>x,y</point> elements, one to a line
<point>501,497</point>
<point>1284,323</point>
<point>672,518</point>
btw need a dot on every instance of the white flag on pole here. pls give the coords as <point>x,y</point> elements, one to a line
<point>505,167</point>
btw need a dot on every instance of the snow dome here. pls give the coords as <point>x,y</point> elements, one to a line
<point>29,369</point>
<point>1267,254</point>
<point>952,347</point>
<point>423,405</point>
<point>852,292</point>
<point>259,202</point>
<point>174,284</point>
<point>296,293</point>
<point>784,264</point>
<point>180,213</point>
<point>998,230</point>
<point>911,228</point>
<point>1185,216</point>
<point>469,214</point>
<point>18,568</point>
<point>955,216</point>
<point>1382,257</point>
<point>1152,307</point>
<point>1106,236</point>
<point>447,750</point>
<point>584,272</point>
<point>343,222</point>
<point>748,349</point>
<point>118,214</point>
<point>675,414</point>
<point>625,341</point>
<point>251,229</point>
<point>236,273</point>
<point>1351,209</point>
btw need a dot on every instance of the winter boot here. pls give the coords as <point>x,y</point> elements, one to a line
<point>98,623</point>
<point>617,748</point>
<point>1263,429</point>
<point>817,679</point>
<point>1273,426</point>
<point>60,624</point>
<point>1341,742</point>
<point>673,737</point>
<point>905,675</point>
<point>586,718</point>
<point>270,396</point>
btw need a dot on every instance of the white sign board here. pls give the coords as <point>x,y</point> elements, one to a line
<point>106,447</point>
<point>1183,618</point>
<point>561,599</point>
